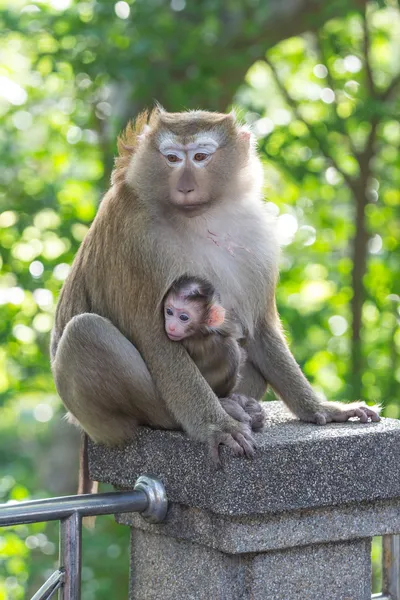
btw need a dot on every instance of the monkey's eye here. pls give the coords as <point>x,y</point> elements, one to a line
<point>169,312</point>
<point>183,317</point>
<point>173,158</point>
<point>200,156</point>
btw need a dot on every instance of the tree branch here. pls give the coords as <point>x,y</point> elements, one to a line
<point>366,50</point>
<point>280,20</point>
<point>386,95</point>
<point>320,140</point>
<point>331,83</point>
<point>359,251</point>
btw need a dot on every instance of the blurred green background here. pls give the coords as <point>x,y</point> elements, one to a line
<point>319,83</point>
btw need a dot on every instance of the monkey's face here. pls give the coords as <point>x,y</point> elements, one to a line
<point>182,317</point>
<point>191,160</point>
<point>189,174</point>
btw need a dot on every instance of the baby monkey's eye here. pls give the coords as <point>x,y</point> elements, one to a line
<point>169,312</point>
<point>200,156</point>
<point>184,317</point>
<point>172,158</point>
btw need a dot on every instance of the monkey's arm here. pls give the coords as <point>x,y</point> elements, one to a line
<point>269,352</point>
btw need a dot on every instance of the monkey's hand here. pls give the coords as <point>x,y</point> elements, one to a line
<point>238,438</point>
<point>336,412</point>
<point>270,354</point>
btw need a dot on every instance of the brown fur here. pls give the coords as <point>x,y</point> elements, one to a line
<point>218,358</point>
<point>215,349</point>
<point>113,365</point>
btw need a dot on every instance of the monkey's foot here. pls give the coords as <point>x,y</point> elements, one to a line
<point>240,441</point>
<point>253,409</point>
<point>335,412</point>
<point>235,409</point>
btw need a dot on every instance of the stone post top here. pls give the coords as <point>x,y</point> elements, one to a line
<point>297,465</point>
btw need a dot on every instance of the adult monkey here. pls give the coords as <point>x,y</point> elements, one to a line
<point>185,197</point>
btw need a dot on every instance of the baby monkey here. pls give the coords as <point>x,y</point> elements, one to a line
<point>213,338</point>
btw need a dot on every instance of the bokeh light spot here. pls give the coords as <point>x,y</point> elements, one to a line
<point>60,4</point>
<point>74,135</point>
<point>352,63</point>
<point>178,5</point>
<point>42,322</point>
<point>61,271</point>
<point>338,325</point>
<point>122,9</point>
<point>263,126</point>
<point>8,218</point>
<point>320,71</point>
<point>327,95</point>
<point>12,92</point>
<point>36,268</point>
<point>22,119</point>
<point>375,244</point>
<point>286,228</point>
<point>43,298</point>
<point>24,334</point>
<point>307,235</point>
<point>43,412</point>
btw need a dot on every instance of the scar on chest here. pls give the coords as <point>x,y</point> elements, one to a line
<point>226,242</point>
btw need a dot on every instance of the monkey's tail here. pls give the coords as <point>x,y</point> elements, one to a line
<point>85,484</point>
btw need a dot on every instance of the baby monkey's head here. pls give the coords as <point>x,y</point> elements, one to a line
<point>191,306</point>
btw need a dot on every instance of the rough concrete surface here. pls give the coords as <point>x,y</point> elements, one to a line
<point>262,533</point>
<point>324,572</point>
<point>297,466</point>
<point>169,569</point>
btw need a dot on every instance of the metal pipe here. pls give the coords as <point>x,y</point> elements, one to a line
<point>54,509</point>
<point>391,566</point>
<point>71,556</point>
<point>148,498</point>
<point>49,586</point>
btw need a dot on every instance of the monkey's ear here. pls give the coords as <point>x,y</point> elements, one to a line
<point>245,134</point>
<point>246,138</point>
<point>216,316</point>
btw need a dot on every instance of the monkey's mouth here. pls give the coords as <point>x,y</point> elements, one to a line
<point>174,338</point>
<point>194,209</point>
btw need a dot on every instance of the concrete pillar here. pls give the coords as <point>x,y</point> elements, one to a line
<point>294,523</point>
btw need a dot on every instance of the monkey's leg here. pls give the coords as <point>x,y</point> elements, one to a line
<point>271,355</point>
<point>104,382</point>
<point>251,385</point>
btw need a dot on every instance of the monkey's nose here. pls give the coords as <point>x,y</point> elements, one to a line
<point>171,328</point>
<point>185,190</point>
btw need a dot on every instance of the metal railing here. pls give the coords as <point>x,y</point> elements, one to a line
<point>390,569</point>
<point>148,497</point>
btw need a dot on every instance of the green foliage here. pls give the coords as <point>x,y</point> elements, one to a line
<point>317,113</point>
<point>71,74</point>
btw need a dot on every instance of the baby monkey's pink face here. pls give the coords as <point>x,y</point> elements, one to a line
<point>182,317</point>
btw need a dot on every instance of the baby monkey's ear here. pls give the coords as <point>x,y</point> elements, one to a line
<point>216,316</point>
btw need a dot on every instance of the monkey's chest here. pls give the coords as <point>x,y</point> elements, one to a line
<point>239,269</point>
